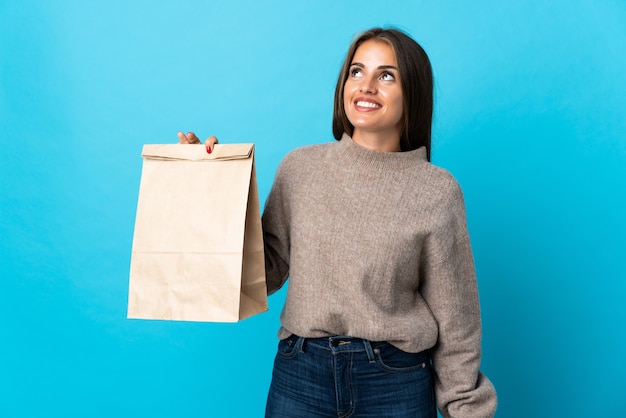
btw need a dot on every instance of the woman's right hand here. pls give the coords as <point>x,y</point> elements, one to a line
<point>191,138</point>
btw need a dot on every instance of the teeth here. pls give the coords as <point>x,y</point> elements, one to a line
<point>366,104</point>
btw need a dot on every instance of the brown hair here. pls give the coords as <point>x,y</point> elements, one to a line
<point>416,77</point>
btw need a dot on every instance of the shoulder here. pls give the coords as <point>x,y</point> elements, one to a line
<point>309,151</point>
<point>441,183</point>
<point>305,157</point>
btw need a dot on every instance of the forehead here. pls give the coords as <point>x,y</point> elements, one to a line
<point>375,52</point>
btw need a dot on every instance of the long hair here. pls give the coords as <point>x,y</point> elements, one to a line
<point>416,78</point>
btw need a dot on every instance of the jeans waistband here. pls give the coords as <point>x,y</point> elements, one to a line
<point>342,343</point>
<point>338,344</point>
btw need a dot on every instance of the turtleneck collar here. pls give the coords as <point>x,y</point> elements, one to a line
<point>361,156</point>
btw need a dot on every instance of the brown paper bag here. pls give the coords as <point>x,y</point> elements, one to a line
<point>198,246</point>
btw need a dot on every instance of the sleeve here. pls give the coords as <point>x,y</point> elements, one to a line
<point>276,227</point>
<point>450,289</point>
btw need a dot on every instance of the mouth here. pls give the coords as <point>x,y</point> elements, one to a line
<point>361,104</point>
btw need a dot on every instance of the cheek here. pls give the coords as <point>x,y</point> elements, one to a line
<point>346,95</point>
<point>398,105</point>
<point>346,104</point>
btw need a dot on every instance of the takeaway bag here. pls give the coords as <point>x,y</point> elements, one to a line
<point>197,251</point>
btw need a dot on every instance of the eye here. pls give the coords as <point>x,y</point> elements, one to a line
<point>356,72</point>
<point>387,76</point>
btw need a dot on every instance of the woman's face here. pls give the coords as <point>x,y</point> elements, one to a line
<point>373,94</point>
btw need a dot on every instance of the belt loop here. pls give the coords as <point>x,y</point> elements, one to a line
<point>300,344</point>
<point>369,351</point>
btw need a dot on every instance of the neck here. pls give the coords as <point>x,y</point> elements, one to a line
<point>377,141</point>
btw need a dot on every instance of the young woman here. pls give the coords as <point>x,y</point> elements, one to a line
<point>382,315</point>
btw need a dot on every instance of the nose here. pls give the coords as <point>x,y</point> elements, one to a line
<point>367,86</point>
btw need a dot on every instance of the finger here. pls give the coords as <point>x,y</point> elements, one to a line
<point>210,143</point>
<point>182,138</point>
<point>192,138</point>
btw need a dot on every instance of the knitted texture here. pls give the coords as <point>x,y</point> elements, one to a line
<point>375,246</point>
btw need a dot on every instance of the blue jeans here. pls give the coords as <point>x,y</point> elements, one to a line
<point>343,377</point>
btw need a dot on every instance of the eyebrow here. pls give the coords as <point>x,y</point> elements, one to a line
<point>380,67</point>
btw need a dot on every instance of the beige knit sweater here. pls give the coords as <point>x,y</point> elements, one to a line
<point>375,246</point>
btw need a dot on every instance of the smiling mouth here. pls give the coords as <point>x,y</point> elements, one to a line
<point>368,105</point>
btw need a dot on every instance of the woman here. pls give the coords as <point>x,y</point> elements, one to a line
<point>382,314</point>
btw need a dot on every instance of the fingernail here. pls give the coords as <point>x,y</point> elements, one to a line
<point>208,149</point>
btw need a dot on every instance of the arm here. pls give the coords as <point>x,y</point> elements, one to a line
<point>450,290</point>
<point>276,232</point>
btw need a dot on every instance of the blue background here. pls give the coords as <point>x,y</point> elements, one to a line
<point>530,106</point>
